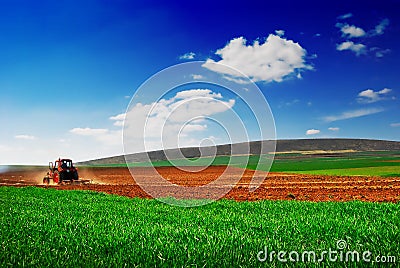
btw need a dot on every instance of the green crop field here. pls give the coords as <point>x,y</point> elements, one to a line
<point>349,164</point>
<point>47,227</point>
<point>352,164</point>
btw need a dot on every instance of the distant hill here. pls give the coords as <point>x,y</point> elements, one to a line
<point>256,147</point>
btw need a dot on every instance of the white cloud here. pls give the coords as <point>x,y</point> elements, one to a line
<point>185,131</point>
<point>173,122</point>
<point>191,103</point>
<point>88,131</point>
<point>292,102</point>
<point>381,52</point>
<point>127,97</point>
<point>370,96</point>
<point>334,129</point>
<point>194,127</point>
<point>380,28</point>
<point>280,32</point>
<point>197,76</point>
<point>236,79</point>
<point>352,114</point>
<point>273,60</point>
<point>103,135</point>
<point>384,91</point>
<point>187,56</point>
<point>345,16</point>
<point>349,45</point>
<point>25,137</point>
<point>119,123</point>
<point>312,131</point>
<point>119,119</point>
<point>395,125</point>
<point>350,31</point>
<point>197,93</point>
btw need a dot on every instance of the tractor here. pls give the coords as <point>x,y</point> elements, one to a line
<point>62,171</point>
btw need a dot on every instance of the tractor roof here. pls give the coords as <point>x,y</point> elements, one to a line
<point>65,159</point>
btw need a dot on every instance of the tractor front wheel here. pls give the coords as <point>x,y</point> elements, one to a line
<point>46,180</point>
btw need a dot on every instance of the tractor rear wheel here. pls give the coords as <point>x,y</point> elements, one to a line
<point>61,177</point>
<point>75,176</point>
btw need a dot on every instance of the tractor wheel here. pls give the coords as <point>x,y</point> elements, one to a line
<point>61,177</point>
<point>46,180</point>
<point>75,176</point>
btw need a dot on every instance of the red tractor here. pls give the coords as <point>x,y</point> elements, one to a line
<point>62,171</point>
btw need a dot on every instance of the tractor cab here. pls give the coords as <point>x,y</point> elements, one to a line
<point>61,164</point>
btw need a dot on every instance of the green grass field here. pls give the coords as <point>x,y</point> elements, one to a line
<point>47,227</point>
<point>349,164</point>
<point>352,164</point>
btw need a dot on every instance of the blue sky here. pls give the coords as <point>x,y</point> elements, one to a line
<point>69,68</point>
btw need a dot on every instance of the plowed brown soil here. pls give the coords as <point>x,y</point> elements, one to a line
<point>276,186</point>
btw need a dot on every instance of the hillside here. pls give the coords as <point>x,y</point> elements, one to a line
<point>256,147</point>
